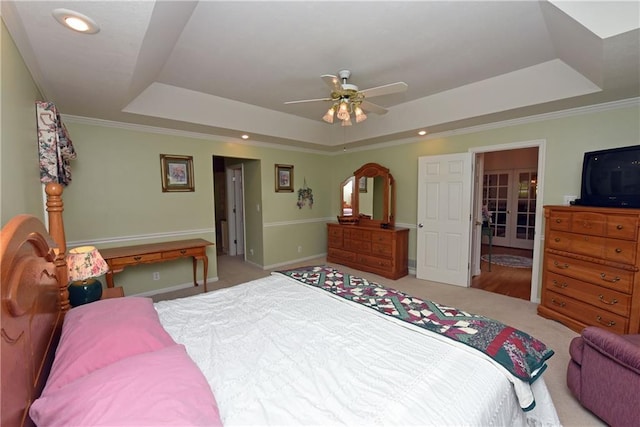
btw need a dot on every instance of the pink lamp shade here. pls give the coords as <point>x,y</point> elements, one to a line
<point>85,262</point>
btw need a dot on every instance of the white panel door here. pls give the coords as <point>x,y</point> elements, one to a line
<point>444,218</point>
<point>235,213</point>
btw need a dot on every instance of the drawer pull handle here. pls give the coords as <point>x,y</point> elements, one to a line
<point>137,258</point>
<point>558,220</point>
<point>183,251</point>
<point>618,250</point>
<point>557,239</point>
<point>613,301</point>
<point>586,225</point>
<point>619,227</point>
<point>562,266</point>
<point>559,285</point>
<point>609,324</point>
<point>603,276</point>
<point>561,303</point>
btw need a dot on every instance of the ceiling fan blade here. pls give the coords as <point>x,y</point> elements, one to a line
<point>333,82</point>
<point>308,100</point>
<point>385,89</point>
<point>370,107</point>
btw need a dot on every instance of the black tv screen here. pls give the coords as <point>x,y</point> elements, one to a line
<point>611,178</point>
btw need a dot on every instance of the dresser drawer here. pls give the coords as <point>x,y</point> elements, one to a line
<point>590,223</point>
<point>598,296</point>
<point>559,240</point>
<point>622,251</point>
<point>334,241</point>
<point>622,227</point>
<point>601,275</point>
<point>136,259</point>
<point>358,245</point>
<point>380,237</point>
<point>335,232</point>
<point>381,249</point>
<point>560,221</point>
<point>357,234</point>
<point>182,253</point>
<point>583,312</point>
<point>339,254</point>
<point>375,261</point>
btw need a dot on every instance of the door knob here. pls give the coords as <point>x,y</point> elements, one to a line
<point>420,225</point>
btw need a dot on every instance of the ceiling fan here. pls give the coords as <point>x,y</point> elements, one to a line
<point>346,99</point>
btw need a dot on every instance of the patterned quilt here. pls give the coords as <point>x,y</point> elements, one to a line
<point>519,353</point>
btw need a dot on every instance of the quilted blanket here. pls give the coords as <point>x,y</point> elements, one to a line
<point>519,353</point>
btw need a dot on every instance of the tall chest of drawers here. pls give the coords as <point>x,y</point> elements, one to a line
<point>591,268</point>
<point>376,250</point>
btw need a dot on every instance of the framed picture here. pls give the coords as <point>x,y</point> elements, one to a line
<point>362,185</point>
<point>284,178</point>
<point>177,173</point>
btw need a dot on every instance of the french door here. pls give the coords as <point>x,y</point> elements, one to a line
<point>510,196</point>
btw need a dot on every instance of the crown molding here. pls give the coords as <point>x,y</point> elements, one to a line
<point>596,108</point>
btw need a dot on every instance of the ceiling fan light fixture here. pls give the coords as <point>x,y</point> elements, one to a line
<point>328,117</point>
<point>343,110</point>
<point>360,115</point>
<point>347,121</point>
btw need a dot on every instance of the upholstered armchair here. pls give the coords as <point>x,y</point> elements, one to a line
<point>604,375</point>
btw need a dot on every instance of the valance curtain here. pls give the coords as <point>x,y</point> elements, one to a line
<point>54,145</point>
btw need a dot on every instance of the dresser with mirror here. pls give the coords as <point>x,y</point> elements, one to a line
<point>365,236</point>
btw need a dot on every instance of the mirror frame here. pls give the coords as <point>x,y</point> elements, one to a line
<point>372,170</point>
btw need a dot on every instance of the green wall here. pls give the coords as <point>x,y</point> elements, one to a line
<point>116,199</point>
<point>20,189</point>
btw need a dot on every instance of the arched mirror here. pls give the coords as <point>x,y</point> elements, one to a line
<point>372,198</point>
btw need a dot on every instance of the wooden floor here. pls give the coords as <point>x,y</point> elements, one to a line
<point>514,282</point>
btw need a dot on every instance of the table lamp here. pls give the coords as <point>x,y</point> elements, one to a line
<point>85,264</point>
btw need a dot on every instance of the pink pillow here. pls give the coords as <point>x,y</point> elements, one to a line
<point>98,334</point>
<point>163,387</point>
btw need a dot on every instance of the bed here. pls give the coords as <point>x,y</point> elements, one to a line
<point>311,346</point>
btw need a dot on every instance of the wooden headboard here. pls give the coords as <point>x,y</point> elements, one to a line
<point>34,300</point>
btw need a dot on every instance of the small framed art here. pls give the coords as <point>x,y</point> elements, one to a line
<point>284,178</point>
<point>177,173</point>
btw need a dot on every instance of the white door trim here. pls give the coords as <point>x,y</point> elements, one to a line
<point>539,237</point>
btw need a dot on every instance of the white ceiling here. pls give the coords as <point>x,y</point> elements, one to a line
<point>227,67</point>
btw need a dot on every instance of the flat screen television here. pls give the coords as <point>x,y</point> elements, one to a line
<point>611,178</point>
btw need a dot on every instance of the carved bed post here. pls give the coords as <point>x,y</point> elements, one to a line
<point>55,207</point>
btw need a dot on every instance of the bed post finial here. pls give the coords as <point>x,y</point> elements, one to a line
<point>55,207</point>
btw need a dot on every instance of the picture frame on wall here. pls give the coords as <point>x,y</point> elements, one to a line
<point>177,173</point>
<point>284,178</point>
<point>362,185</point>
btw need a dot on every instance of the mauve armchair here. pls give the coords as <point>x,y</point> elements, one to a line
<point>604,375</point>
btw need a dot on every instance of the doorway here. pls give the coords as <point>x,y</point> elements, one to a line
<point>508,186</point>
<point>228,175</point>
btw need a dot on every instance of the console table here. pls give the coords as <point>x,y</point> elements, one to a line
<point>124,256</point>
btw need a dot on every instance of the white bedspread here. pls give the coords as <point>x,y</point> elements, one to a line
<point>277,352</point>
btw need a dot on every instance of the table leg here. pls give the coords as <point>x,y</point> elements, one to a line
<point>109,278</point>
<point>205,260</point>
<point>195,269</point>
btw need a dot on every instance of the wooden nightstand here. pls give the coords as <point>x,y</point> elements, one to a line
<point>115,292</point>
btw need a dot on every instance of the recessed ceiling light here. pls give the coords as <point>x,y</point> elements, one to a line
<point>76,21</point>
<point>422,132</point>
<point>245,136</point>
